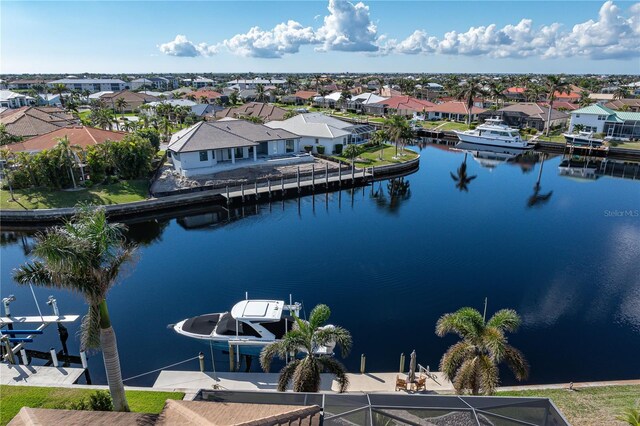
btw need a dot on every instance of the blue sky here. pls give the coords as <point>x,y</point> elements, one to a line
<point>320,36</point>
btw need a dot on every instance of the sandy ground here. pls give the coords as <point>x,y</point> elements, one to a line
<point>169,180</point>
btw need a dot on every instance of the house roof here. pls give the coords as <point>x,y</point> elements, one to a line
<point>596,109</point>
<point>34,121</point>
<point>561,104</point>
<point>8,94</point>
<point>46,416</point>
<point>316,125</point>
<point>619,103</point>
<point>88,81</point>
<point>78,135</point>
<point>368,98</point>
<point>224,134</point>
<point>534,110</point>
<point>455,107</point>
<point>209,94</point>
<point>515,90</point>
<point>406,102</point>
<point>128,96</point>
<point>601,96</point>
<point>265,111</point>
<point>305,94</point>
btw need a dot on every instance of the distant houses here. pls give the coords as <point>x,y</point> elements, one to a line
<point>208,147</point>
<point>528,114</point>
<point>81,136</point>
<point>91,85</point>
<point>12,100</point>
<point>28,122</point>
<point>133,100</point>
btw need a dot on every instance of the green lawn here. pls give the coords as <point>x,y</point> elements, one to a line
<point>588,406</point>
<point>12,398</point>
<point>444,125</point>
<point>40,198</point>
<point>371,157</point>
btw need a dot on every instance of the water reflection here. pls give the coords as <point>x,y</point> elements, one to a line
<point>589,169</point>
<point>538,198</point>
<point>461,178</point>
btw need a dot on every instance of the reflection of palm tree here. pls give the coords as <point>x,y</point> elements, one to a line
<point>398,189</point>
<point>461,178</point>
<point>538,199</point>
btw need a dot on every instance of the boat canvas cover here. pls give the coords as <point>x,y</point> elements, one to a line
<point>258,310</point>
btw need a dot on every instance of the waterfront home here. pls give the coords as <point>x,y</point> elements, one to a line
<point>208,147</point>
<point>211,96</point>
<point>266,112</point>
<point>399,105</point>
<point>91,84</point>
<point>133,100</point>
<point>316,129</point>
<point>81,136</point>
<point>601,98</point>
<point>328,101</point>
<point>600,119</point>
<point>359,102</point>
<point>9,99</point>
<point>201,82</point>
<point>33,121</point>
<point>199,110</point>
<point>453,110</point>
<point>632,105</point>
<point>528,114</point>
<point>301,97</point>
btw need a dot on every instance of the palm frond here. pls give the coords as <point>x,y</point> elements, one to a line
<point>493,339</point>
<point>319,316</point>
<point>488,375</point>
<point>454,357</point>
<point>516,362</point>
<point>286,374</point>
<point>506,320</point>
<point>90,329</point>
<point>271,351</point>
<point>336,334</point>
<point>336,368</point>
<point>306,377</point>
<point>465,377</point>
<point>464,322</point>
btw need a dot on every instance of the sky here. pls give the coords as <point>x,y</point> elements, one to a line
<point>320,36</point>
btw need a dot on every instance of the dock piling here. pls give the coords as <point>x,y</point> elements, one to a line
<point>201,359</point>
<point>313,178</point>
<point>242,191</point>
<point>339,174</point>
<point>54,357</point>
<point>401,362</point>
<point>23,355</point>
<point>231,361</point>
<point>326,175</point>
<point>298,179</point>
<point>8,349</point>
<point>256,189</point>
<point>269,186</point>
<point>282,185</point>
<point>353,171</point>
<point>363,360</point>
<point>83,359</point>
<point>228,200</point>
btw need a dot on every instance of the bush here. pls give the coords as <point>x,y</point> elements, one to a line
<point>101,401</point>
<point>472,127</point>
<point>151,135</point>
<point>320,149</point>
<point>352,151</point>
<point>88,183</point>
<point>308,148</point>
<point>338,148</point>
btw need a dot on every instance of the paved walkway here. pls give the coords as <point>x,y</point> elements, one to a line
<point>38,375</point>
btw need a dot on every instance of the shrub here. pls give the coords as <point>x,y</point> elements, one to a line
<point>88,183</point>
<point>320,149</point>
<point>308,148</point>
<point>101,401</point>
<point>338,148</point>
<point>473,126</point>
<point>151,135</point>
<point>352,151</point>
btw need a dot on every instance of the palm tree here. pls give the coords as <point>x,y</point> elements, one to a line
<point>497,92</point>
<point>68,155</point>
<point>260,94</point>
<point>468,92</point>
<point>461,178</point>
<point>553,84</point>
<point>59,89</point>
<point>307,336</point>
<point>631,416</point>
<point>345,95</point>
<point>291,82</point>
<point>621,92</point>
<point>472,363</point>
<point>233,97</point>
<point>85,255</point>
<point>101,117</point>
<point>121,104</point>
<point>317,78</point>
<point>398,129</point>
<point>585,100</point>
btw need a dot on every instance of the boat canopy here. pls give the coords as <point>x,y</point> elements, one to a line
<point>258,310</point>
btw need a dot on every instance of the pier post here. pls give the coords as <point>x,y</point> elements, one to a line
<point>228,200</point>
<point>363,360</point>
<point>353,172</point>
<point>402,362</point>
<point>282,185</point>
<point>313,176</point>
<point>256,189</point>
<point>54,357</point>
<point>326,175</point>
<point>231,363</point>
<point>298,179</point>
<point>23,355</point>
<point>83,359</point>
<point>340,174</point>
<point>201,359</point>
<point>269,186</point>
<point>7,346</point>
<point>242,191</point>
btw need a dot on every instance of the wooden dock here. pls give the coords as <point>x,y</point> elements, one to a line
<point>38,375</point>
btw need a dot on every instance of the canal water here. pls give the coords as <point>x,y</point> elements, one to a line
<point>390,260</point>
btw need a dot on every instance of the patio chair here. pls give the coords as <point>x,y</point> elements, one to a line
<point>421,383</point>
<point>401,384</point>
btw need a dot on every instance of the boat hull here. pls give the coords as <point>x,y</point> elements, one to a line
<point>582,141</point>
<point>481,140</point>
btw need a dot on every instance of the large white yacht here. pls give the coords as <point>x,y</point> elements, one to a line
<point>494,133</point>
<point>251,324</point>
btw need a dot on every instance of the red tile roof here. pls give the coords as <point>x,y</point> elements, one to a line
<point>515,90</point>
<point>78,135</point>
<point>305,94</point>
<point>455,108</point>
<point>209,94</point>
<point>406,102</point>
<point>560,104</point>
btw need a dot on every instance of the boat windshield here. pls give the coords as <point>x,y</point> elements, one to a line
<point>227,327</point>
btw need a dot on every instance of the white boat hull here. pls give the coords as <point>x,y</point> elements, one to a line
<point>490,141</point>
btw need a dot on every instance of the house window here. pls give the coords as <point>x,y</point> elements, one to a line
<point>239,153</point>
<point>577,115</point>
<point>602,117</point>
<point>204,155</point>
<point>317,140</point>
<point>289,145</point>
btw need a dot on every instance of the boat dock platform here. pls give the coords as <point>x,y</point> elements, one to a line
<point>35,375</point>
<point>191,381</point>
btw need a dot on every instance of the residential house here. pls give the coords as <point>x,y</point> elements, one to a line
<point>453,110</point>
<point>516,94</point>
<point>388,92</point>
<point>92,84</point>
<point>561,105</point>
<point>198,110</point>
<point>201,82</point>
<point>328,101</point>
<point>25,84</point>
<point>81,136</point>
<point>207,146</point>
<point>358,103</point>
<point>28,122</point>
<point>399,105</point>
<point>601,98</point>
<point>301,97</point>
<point>133,100</point>
<point>159,83</point>
<point>632,105</point>
<point>528,114</point>
<point>12,100</point>
<point>600,119</point>
<point>266,112</point>
<point>242,84</point>
<point>211,96</point>
<point>49,99</point>
<point>140,83</point>
<point>316,129</point>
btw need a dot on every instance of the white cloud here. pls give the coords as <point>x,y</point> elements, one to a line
<point>181,46</point>
<point>348,27</point>
<point>274,43</point>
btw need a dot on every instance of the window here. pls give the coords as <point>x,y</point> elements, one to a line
<point>239,153</point>
<point>317,140</point>
<point>204,155</point>
<point>577,115</point>
<point>602,117</point>
<point>289,146</point>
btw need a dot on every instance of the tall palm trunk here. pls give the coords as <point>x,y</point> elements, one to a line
<point>549,117</point>
<point>111,360</point>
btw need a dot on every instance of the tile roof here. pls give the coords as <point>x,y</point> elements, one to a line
<point>78,135</point>
<point>455,107</point>
<point>619,103</point>
<point>305,94</point>
<point>224,134</point>
<point>254,109</point>
<point>209,94</point>
<point>315,125</point>
<point>128,96</point>
<point>33,121</point>
<point>535,110</point>
<point>406,102</point>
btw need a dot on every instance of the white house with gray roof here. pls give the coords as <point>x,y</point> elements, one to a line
<point>208,147</point>
<point>316,129</point>
<point>600,119</point>
<point>92,84</point>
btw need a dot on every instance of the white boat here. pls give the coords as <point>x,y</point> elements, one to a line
<point>582,139</point>
<point>251,323</point>
<point>494,132</point>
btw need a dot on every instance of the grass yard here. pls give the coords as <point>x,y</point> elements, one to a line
<point>444,125</point>
<point>588,406</point>
<point>371,156</point>
<point>12,398</point>
<point>40,198</point>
